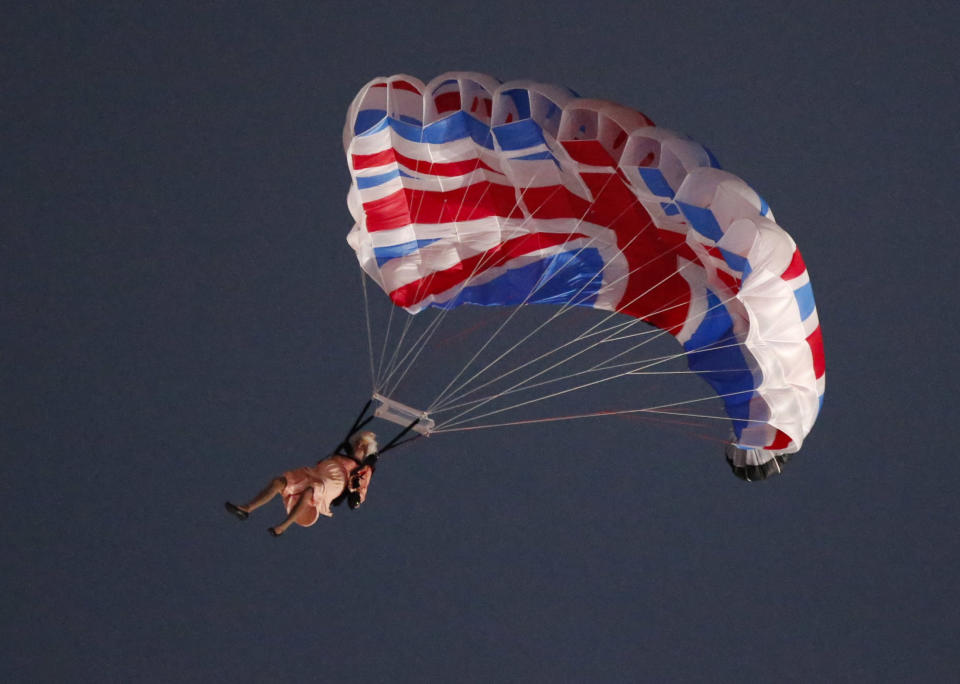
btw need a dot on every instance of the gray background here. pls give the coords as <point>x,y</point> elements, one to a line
<point>178,324</point>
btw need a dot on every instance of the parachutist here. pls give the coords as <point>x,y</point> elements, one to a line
<point>309,492</point>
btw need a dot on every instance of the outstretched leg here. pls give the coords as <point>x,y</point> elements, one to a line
<point>302,504</point>
<point>271,490</point>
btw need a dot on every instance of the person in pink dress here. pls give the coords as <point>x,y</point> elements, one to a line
<point>309,492</point>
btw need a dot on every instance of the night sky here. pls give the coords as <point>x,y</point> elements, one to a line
<point>181,319</point>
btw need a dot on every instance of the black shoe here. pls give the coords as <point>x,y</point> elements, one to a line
<point>242,515</point>
<point>273,532</point>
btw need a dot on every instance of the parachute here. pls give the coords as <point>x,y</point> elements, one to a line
<point>468,191</point>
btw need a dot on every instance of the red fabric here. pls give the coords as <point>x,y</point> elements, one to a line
<point>475,201</point>
<point>403,85</point>
<point>815,340</point>
<point>411,293</point>
<point>447,102</point>
<point>781,441</point>
<point>389,156</point>
<point>796,267</point>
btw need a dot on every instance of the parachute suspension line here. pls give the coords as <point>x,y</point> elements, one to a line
<point>523,383</point>
<point>601,366</point>
<point>396,350</point>
<point>658,410</point>
<point>425,282</point>
<point>366,311</point>
<point>446,427</point>
<point>446,310</point>
<point>605,364</point>
<point>393,366</point>
<point>453,395</point>
<point>576,339</point>
<point>512,314</point>
<point>435,323</point>
<point>642,333</point>
<point>383,349</point>
<point>540,283</point>
<point>383,372</point>
<point>489,339</point>
<point>604,331</point>
<point>616,337</point>
<point>563,309</point>
<point>480,262</point>
<point>586,334</point>
<point>389,370</point>
<point>549,368</point>
<point>637,368</point>
<point>417,346</point>
<point>647,340</point>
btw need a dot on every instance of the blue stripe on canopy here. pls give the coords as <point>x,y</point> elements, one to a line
<point>519,135</point>
<point>702,220</point>
<point>385,254</point>
<point>805,301</point>
<point>457,126</point>
<point>569,277</point>
<point>367,120</point>
<point>734,261</point>
<point>364,182</point>
<point>655,181</point>
<point>713,353</point>
<point>536,156</point>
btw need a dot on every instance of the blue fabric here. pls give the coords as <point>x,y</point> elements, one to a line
<point>805,301</point>
<point>364,182</point>
<point>410,131</point>
<point>715,325</point>
<point>552,117</point>
<point>702,220</point>
<point>713,160</point>
<point>456,126</point>
<point>734,261</point>
<point>367,119</point>
<point>536,155</point>
<point>519,135</point>
<point>562,276</point>
<point>725,369</point>
<point>655,180</point>
<point>521,100</point>
<point>385,254</point>
<point>764,207</point>
<point>447,82</point>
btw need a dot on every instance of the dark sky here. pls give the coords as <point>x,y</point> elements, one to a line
<point>181,320</point>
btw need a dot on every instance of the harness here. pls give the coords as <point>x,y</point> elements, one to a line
<point>344,449</point>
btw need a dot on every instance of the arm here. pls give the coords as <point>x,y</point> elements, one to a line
<point>360,481</point>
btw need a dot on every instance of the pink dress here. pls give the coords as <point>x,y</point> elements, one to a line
<point>322,483</point>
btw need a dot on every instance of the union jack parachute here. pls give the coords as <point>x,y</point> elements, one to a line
<point>468,191</point>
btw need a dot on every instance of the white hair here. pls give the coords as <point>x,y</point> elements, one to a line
<point>368,439</point>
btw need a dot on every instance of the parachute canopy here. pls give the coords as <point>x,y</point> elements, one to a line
<point>469,191</point>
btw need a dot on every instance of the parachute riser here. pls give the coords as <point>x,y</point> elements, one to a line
<point>358,423</point>
<point>394,412</point>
